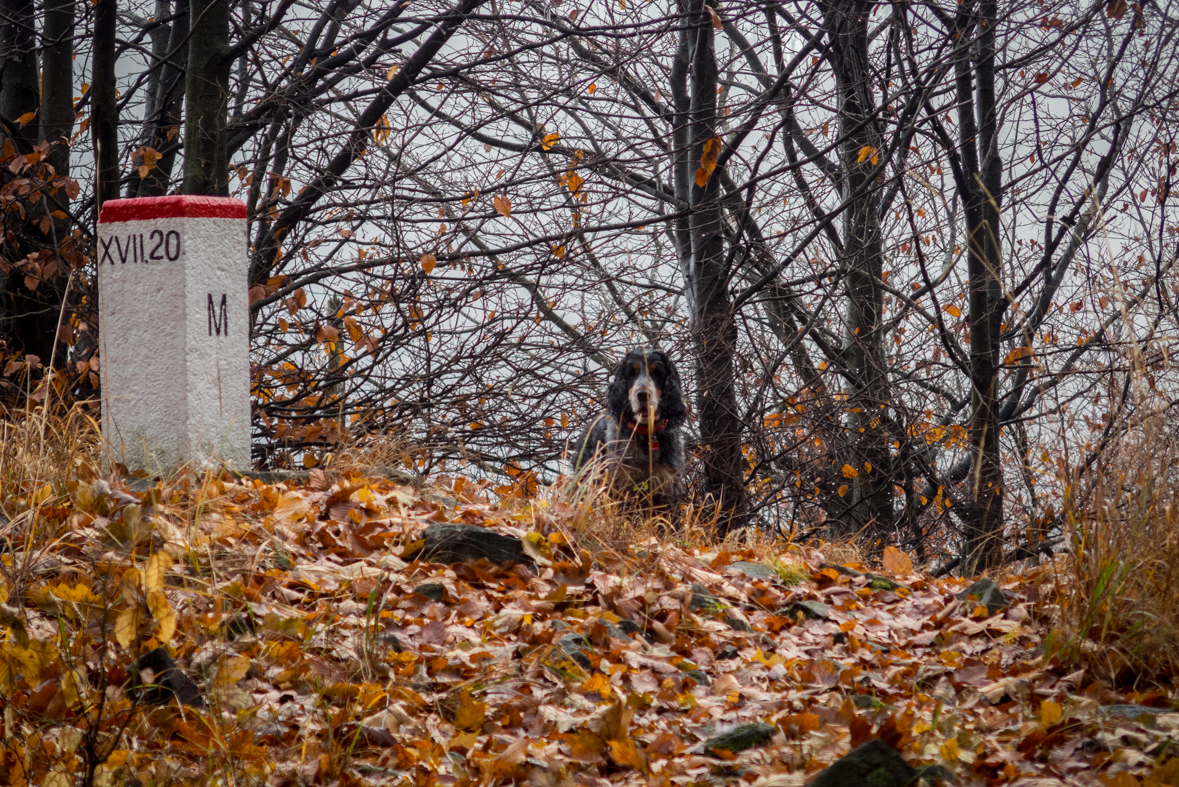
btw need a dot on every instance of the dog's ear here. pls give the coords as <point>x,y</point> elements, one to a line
<point>672,407</point>
<point>616,394</point>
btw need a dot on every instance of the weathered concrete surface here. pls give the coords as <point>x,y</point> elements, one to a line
<point>174,332</point>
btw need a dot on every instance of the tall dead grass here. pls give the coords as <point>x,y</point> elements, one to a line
<point>1118,590</point>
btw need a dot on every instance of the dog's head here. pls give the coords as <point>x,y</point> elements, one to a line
<point>646,390</point>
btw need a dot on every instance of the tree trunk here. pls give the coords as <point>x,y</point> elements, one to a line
<point>21,313</point>
<point>57,81</point>
<point>714,328</point>
<point>869,496</point>
<point>162,122</point>
<point>983,547</point>
<point>206,88</point>
<point>104,115</point>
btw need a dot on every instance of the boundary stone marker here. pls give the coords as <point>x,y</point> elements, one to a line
<point>174,332</point>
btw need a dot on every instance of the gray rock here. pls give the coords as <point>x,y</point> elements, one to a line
<point>727,652</point>
<point>814,610</point>
<point>631,628</point>
<point>578,648</point>
<point>747,736</point>
<point>615,631</point>
<point>867,702</point>
<point>755,570</point>
<point>988,592</point>
<point>452,542</point>
<point>699,676</point>
<point>431,590</point>
<point>872,763</point>
<point>736,624</point>
<point>1140,713</point>
<point>702,598</point>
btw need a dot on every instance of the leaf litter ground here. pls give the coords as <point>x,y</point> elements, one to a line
<point>323,647</point>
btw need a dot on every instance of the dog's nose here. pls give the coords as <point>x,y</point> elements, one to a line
<point>642,397</point>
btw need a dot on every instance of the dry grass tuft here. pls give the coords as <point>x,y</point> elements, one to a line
<point>1118,587</point>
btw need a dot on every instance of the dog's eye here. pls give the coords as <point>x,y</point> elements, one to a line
<point>635,368</point>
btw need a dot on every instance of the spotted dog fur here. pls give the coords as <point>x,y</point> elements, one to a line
<point>638,437</point>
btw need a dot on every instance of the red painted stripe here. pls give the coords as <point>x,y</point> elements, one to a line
<point>180,206</point>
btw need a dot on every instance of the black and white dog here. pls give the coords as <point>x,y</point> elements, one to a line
<point>639,439</point>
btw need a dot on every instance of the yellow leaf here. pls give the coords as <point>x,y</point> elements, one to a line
<point>1016,354</point>
<point>230,670</point>
<point>428,262</point>
<point>708,157</point>
<point>382,130</point>
<point>550,140</point>
<point>503,206</point>
<point>842,490</point>
<point>126,625</point>
<point>597,684</point>
<point>865,152</point>
<point>157,567</point>
<point>470,713</point>
<point>850,472</point>
<point>822,365</point>
<point>163,613</point>
<point>953,311</point>
<point>573,181</point>
<point>27,118</point>
<point>558,251</point>
<point>392,72</point>
<point>950,749</point>
<point>1050,712</point>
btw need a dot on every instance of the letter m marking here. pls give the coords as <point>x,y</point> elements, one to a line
<point>218,322</point>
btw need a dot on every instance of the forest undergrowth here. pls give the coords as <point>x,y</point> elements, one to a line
<point>328,628</point>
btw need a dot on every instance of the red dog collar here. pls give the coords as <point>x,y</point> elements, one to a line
<point>646,431</point>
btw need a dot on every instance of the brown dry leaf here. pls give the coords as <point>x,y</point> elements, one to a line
<point>470,712</point>
<point>896,562</point>
<point>717,24</point>
<point>503,206</point>
<point>428,263</point>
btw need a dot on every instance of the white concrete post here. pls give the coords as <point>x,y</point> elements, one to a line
<point>174,332</point>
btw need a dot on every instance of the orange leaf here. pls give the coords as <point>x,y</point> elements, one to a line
<point>897,562</point>
<point>27,118</point>
<point>953,311</point>
<point>1016,354</point>
<point>428,263</point>
<point>503,206</point>
<point>550,140</point>
<point>626,753</point>
<point>850,472</point>
<point>708,157</point>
